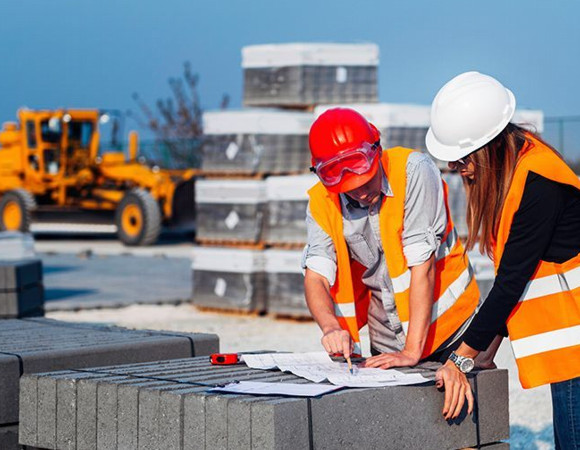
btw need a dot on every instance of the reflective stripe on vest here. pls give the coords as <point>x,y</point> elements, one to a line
<point>544,327</point>
<point>456,293</point>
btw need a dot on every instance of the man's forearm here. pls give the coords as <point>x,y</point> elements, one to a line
<point>420,306</point>
<point>319,301</point>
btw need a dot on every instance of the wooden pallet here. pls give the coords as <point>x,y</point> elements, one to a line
<point>286,245</point>
<point>245,245</point>
<point>225,175</point>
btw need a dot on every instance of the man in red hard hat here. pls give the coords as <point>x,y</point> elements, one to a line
<point>382,249</point>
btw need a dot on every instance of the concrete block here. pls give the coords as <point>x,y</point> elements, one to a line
<point>19,274</point>
<point>406,417</point>
<point>163,405</point>
<point>492,405</point>
<point>49,345</point>
<point>9,374</point>
<point>26,302</point>
<point>106,415</point>
<point>28,409</point>
<point>46,415</point>
<point>496,446</point>
<point>9,437</point>
<point>282,424</point>
<point>67,407</point>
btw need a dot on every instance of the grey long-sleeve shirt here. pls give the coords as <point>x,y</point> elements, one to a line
<point>423,228</point>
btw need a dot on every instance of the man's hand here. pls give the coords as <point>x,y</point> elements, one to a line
<point>337,341</point>
<point>386,360</point>
<point>457,389</point>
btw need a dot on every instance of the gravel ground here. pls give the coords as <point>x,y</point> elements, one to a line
<point>530,410</point>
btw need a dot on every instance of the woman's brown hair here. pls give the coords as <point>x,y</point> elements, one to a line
<point>495,164</point>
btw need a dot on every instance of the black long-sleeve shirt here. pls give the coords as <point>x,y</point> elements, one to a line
<point>545,227</point>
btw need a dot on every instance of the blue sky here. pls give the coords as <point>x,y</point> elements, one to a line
<point>80,53</point>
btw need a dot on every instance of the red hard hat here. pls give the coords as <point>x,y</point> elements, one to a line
<point>339,130</point>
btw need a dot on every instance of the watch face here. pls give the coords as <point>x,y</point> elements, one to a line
<point>467,365</point>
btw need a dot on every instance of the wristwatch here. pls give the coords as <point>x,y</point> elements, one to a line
<point>463,363</point>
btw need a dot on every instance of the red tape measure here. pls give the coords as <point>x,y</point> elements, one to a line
<point>224,359</point>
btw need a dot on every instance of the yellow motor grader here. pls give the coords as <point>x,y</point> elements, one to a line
<point>55,169</point>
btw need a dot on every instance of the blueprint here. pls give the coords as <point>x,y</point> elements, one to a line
<point>318,367</point>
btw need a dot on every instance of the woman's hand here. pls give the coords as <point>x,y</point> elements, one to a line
<point>457,389</point>
<point>337,341</point>
<point>403,358</point>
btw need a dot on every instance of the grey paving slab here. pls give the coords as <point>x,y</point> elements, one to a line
<point>46,413</point>
<point>167,405</point>
<point>9,437</point>
<point>493,405</point>
<point>70,281</point>
<point>9,374</point>
<point>26,302</point>
<point>16,275</point>
<point>43,345</point>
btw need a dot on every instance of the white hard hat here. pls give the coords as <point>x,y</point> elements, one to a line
<point>467,113</point>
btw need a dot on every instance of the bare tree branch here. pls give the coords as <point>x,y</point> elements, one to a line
<point>176,122</point>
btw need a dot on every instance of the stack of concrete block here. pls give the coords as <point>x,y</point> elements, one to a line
<point>42,345</point>
<point>287,203</point>
<point>168,405</point>
<point>400,125</point>
<point>229,279</point>
<point>457,201</point>
<point>303,75</point>
<point>256,141</point>
<point>484,271</point>
<point>21,289</point>
<point>285,283</point>
<point>230,210</point>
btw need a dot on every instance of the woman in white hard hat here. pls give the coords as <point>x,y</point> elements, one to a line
<point>524,211</point>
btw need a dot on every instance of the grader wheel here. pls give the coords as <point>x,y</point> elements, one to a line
<point>16,208</point>
<point>138,218</point>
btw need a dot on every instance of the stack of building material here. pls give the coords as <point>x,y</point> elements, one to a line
<point>303,75</point>
<point>484,271</point>
<point>229,279</point>
<point>287,203</point>
<point>256,141</point>
<point>169,405</point>
<point>285,283</point>
<point>21,289</point>
<point>42,345</point>
<point>457,201</point>
<point>400,125</point>
<point>230,211</point>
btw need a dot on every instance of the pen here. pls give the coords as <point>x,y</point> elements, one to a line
<point>349,364</point>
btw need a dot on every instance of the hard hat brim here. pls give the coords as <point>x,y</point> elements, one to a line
<point>450,153</point>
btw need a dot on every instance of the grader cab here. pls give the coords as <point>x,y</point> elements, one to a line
<point>56,169</point>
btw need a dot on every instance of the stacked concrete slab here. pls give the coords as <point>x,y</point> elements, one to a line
<point>21,289</point>
<point>300,75</point>
<point>256,141</point>
<point>230,210</point>
<point>41,345</point>
<point>287,202</point>
<point>401,125</point>
<point>168,405</point>
<point>285,283</point>
<point>229,279</point>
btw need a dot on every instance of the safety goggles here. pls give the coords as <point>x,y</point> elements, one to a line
<point>461,162</point>
<point>358,161</point>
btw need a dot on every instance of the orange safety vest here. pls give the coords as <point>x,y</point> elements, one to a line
<point>544,327</point>
<point>455,294</point>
